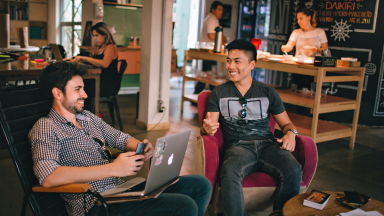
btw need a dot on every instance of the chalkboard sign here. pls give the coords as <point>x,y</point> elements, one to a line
<point>344,16</point>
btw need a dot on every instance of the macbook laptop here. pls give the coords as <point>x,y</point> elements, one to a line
<point>165,168</point>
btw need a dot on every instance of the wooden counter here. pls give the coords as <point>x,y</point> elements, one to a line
<point>132,55</point>
<point>318,130</point>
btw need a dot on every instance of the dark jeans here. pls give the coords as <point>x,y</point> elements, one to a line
<point>189,196</point>
<point>258,155</point>
<point>207,66</point>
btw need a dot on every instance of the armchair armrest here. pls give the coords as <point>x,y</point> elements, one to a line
<point>306,154</point>
<point>211,155</point>
<point>68,188</point>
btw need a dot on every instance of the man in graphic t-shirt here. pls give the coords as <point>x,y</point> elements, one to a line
<point>242,107</point>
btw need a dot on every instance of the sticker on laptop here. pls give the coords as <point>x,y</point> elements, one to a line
<point>164,145</point>
<point>159,149</point>
<point>159,160</point>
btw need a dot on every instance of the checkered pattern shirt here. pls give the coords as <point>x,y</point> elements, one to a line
<point>57,142</point>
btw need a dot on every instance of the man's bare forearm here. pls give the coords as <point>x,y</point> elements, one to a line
<point>287,127</point>
<point>67,175</point>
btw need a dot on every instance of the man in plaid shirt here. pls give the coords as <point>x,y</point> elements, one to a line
<point>69,146</point>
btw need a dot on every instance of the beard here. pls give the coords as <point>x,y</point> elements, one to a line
<point>72,106</point>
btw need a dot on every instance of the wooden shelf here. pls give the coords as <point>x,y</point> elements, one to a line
<point>117,4</point>
<point>192,98</point>
<point>37,17</point>
<point>328,103</point>
<point>318,130</point>
<point>325,130</point>
<point>189,77</point>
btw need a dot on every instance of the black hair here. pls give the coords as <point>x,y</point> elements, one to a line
<point>57,75</point>
<point>215,4</point>
<point>311,13</point>
<point>247,47</point>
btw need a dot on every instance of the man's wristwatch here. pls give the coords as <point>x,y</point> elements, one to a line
<point>293,131</point>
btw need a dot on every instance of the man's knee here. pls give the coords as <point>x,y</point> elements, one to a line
<point>204,186</point>
<point>293,172</point>
<point>185,205</point>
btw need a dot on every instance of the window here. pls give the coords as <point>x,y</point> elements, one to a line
<point>70,25</point>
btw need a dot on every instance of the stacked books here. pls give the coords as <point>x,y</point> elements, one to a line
<point>316,199</point>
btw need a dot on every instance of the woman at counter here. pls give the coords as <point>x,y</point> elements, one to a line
<point>309,40</point>
<point>105,57</point>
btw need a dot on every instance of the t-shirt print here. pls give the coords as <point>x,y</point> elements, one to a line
<point>256,108</point>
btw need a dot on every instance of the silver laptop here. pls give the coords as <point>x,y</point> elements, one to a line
<point>165,167</point>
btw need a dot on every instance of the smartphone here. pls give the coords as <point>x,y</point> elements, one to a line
<point>140,148</point>
<point>353,197</point>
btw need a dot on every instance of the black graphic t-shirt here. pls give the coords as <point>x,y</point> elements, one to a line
<point>261,101</point>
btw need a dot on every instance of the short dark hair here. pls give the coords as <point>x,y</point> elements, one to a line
<point>247,47</point>
<point>58,74</point>
<point>215,4</point>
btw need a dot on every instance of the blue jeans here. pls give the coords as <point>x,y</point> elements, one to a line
<point>189,196</point>
<point>265,156</point>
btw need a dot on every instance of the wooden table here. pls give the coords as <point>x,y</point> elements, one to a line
<point>295,207</point>
<point>24,70</point>
<point>318,130</point>
<point>17,48</point>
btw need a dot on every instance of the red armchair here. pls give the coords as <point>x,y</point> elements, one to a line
<point>259,188</point>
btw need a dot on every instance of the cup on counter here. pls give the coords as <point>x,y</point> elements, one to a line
<point>324,92</point>
<point>301,58</point>
<point>287,57</point>
<point>48,55</point>
<point>313,88</point>
<point>294,87</point>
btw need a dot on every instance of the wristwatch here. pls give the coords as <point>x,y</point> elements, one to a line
<point>293,131</point>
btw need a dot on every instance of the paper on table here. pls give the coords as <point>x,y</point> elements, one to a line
<point>359,212</point>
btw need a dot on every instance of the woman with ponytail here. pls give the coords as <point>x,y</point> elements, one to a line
<point>309,40</point>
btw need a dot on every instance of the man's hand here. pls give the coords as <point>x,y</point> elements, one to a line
<point>148,150</point>
<point>127,164</point>
<point>288,140</point>
<point>209,127</point>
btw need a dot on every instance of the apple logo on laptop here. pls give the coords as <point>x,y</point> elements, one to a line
<point>170,159</point>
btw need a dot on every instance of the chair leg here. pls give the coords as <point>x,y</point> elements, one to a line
<point>24,205</point>
<point>114,100</point>
<point>110,109</point>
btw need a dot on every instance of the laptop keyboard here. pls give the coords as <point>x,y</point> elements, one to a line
<point>139,187</point>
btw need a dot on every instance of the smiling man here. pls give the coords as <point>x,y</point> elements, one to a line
<point>242,107</point>
<point>69,146</point>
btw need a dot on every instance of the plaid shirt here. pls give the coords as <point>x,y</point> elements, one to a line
<point>57,142</point>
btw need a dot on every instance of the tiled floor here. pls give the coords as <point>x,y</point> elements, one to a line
<point>339,169</point>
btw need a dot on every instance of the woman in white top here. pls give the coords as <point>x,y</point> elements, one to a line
<point>309,40</point>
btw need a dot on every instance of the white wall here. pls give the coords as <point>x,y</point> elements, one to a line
<point>151,65</point>
<point>54,21</point>
<point>87,6</point>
